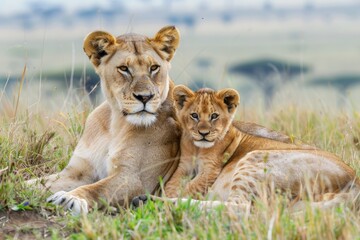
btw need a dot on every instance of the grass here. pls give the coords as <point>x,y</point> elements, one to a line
<point>38,143</point>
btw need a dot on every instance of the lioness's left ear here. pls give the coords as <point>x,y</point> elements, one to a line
<point>181,94</point>
<point>166,41</point>
<point>230,97</point>
<point>97,45</point>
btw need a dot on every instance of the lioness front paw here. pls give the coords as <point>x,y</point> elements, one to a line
<point>65,199</point>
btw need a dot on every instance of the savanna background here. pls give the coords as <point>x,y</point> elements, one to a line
<point>295,63</point>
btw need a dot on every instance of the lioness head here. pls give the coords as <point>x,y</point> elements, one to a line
<point>134,71</point>
<point>206,114</point>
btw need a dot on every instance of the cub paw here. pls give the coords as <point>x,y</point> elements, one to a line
<point>139,201</point>
<point>69,202</point>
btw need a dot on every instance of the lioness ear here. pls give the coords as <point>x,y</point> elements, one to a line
<point>97,45</point>
<point>230,97</point>
<point>166,41</point>
<point>181,94</point>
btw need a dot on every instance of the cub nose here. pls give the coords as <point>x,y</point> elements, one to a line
<point>143,98</point>
<point>204,133</point>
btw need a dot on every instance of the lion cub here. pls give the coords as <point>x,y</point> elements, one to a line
<point>202,128</point>
<point>217,154</point>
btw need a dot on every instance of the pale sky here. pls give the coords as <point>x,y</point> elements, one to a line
<point>12,6</point>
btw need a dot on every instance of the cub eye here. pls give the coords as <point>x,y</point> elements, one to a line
<point>153,68</point>
<point>214,116</point>
<point>123,68</point>
<point>194,116</point>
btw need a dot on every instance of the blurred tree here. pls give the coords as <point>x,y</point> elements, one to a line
<point>46,12</point>
<point>204,63</point>
<point>198,80</point>
<point>186,19</point>
<point>83,79</point>
<point>269,74</point>
<point>342,83</point>
<point>198,83</point>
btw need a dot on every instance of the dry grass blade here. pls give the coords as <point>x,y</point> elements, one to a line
<point>3,170</point>
<point>20,90</point>
<point>36,145</point>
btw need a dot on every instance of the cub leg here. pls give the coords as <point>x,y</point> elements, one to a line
<point>200,184</point>
<point>185,168</point>
<point>173,186</point>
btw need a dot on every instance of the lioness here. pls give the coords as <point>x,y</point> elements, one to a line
<point>234,166</point>
<point>132,139</point>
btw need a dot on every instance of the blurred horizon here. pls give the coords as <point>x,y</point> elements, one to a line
<point>304,53</point>
<point>30,14</point>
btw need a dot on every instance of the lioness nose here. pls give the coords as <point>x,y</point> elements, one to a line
<point>203,133</point>
<point>144,98</point>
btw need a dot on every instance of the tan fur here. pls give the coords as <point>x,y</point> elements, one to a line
<point>235,166</point>
<point>132,139</point>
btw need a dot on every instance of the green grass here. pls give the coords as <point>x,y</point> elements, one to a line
<point>37,144</point>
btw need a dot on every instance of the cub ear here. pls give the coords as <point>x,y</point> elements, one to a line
<point>166,41</point>
<point>97,45</point>
<point>181,94</point>
<point>230,97</point>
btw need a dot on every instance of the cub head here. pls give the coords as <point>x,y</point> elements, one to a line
<point>205,115</point>
<point>134,71</point>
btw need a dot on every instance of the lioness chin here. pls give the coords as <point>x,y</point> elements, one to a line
<point>132,139</point>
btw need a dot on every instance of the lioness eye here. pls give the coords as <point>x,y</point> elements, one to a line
<point>153,68</point>
<point>194,116</point>
<point>214,116</point>
<point>123,68</point>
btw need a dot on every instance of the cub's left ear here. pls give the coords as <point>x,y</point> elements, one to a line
<point>166,41</point>
<point>181,94</point>
<point>230,97</point>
